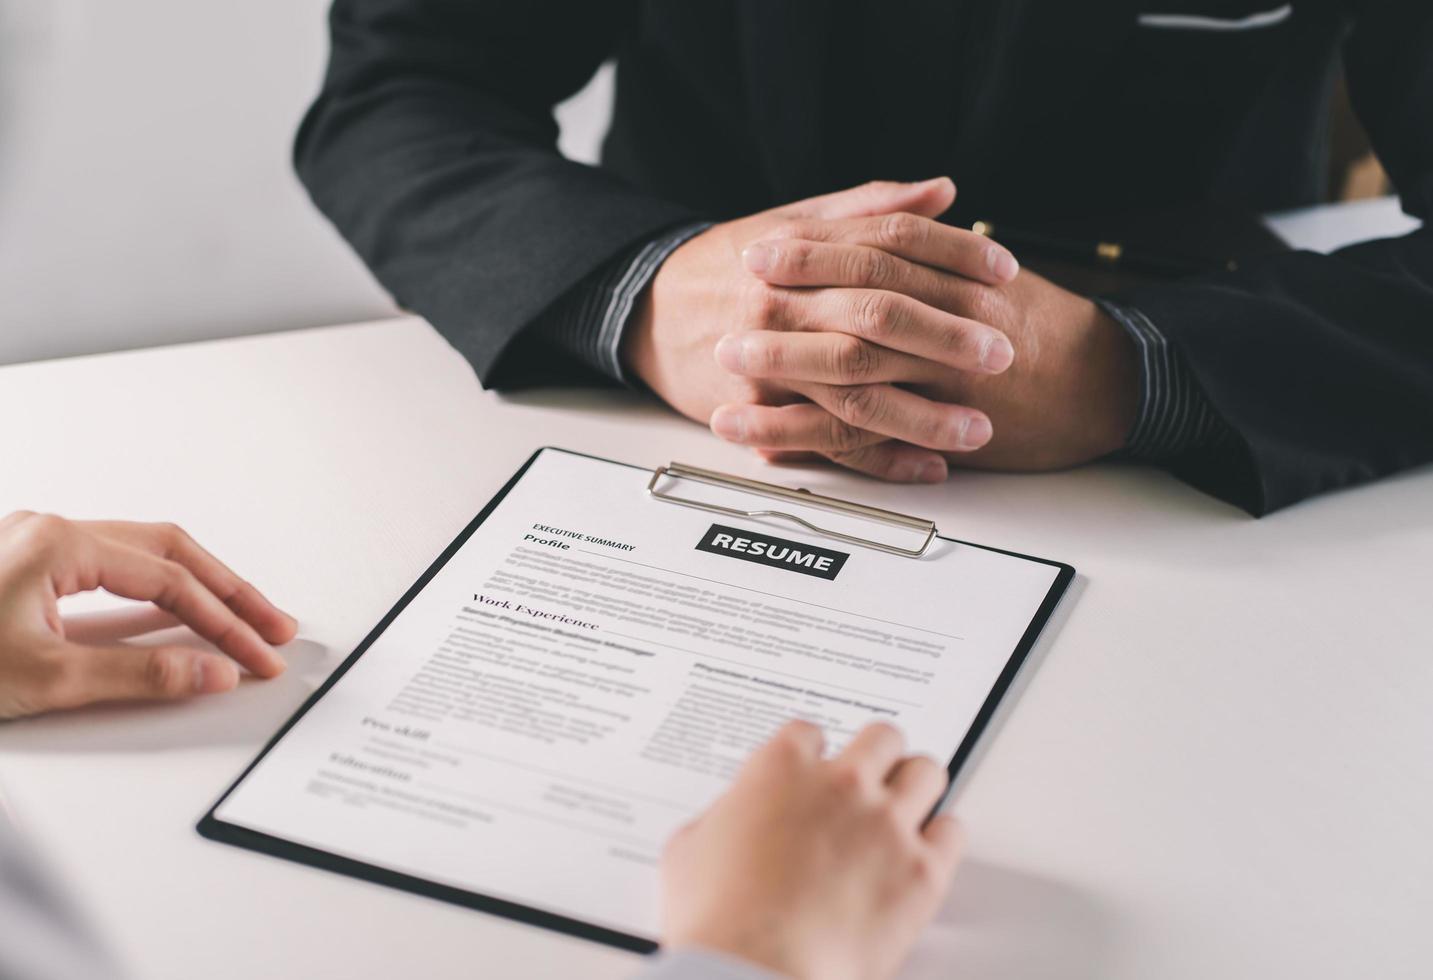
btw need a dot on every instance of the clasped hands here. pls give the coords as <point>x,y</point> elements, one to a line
<point>856,327</point>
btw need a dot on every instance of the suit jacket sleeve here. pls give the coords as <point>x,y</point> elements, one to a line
<point>432,148</point>
<point>1322,366</point>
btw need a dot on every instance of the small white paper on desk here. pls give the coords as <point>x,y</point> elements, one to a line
<point>580,679</point>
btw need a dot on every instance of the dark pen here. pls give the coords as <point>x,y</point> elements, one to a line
<point>1110,254</point>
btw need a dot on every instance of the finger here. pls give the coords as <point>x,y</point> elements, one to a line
<point>110,625</point>
<point>873,751</point>
<point>799,739</point>
<point>15,517</point>
<point>682,834</point>
<point>801,426</point>
<point>927,197</point>
<point>803,262</point>
<point>783,457</point>
<point>91,674</point>
<point>173,543</point>
<point>902,415</point>
<point>903,323</point>
<point>916,784</point>
<point>915,238</point>
<point>895,462</point>
<point>136,574</point>
<point>831,358</point>
<point>947,843</point>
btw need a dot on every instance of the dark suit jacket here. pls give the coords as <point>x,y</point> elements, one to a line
<point>432,148</point>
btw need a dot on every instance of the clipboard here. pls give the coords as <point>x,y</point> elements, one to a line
<point>214,827</point>
<point>798,495</point>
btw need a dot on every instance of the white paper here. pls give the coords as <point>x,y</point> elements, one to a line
<point>579,680</point>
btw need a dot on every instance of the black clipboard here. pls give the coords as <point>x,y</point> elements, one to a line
<point>211,827</point>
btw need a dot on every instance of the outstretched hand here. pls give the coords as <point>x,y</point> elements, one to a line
<point>43,558</point>
<point>814,867</point>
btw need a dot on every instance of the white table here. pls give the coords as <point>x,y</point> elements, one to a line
<point>1219,765</point>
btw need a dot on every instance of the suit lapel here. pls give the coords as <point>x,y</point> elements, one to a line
<point>915,67</point>
<point>787,54</point>
<point>911,63</point>
<point>952,83</point>
<point>1026,62</point>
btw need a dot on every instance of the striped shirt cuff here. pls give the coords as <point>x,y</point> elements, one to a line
<point>1174,415</point>
<point>589,321</point>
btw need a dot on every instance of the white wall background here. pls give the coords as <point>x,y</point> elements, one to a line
<point>146,195</point>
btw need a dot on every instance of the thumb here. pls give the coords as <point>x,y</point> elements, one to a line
<point>122,672</point>
<point>679,843</point>
<point>929,199</point>
<point>947,842</point>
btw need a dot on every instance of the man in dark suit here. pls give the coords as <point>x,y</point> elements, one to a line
<point>715,257</point>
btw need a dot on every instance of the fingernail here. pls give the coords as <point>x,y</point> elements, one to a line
<point>974,432</point>
<point>1002,264</point>
<point>931,471</point>
<point>731,353</point>
<point>729,424</point>
<point>759,258</point>
<point>213,674</point>
<point>996,354</point>
<point>288,628</point>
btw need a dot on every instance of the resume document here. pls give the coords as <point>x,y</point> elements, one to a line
<point>591,666</point>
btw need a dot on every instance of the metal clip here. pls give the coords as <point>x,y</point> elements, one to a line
<point>804,497</point>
